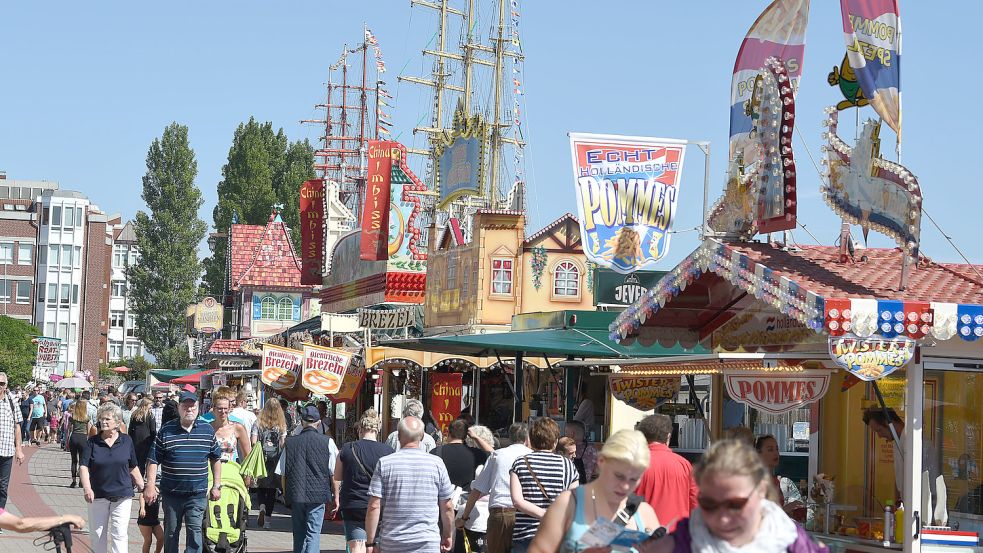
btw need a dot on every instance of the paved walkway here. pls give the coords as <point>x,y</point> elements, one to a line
<point>39,487</point>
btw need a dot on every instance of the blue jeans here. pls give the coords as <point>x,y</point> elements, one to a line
<point>6,463</point>
<point>190,509</point>
<point>307,519</point>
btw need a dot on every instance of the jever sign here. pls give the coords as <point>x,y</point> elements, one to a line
<point>777,393</point>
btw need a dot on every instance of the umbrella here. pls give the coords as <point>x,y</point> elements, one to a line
<point>73,382</point>
<point>189,388</point>
<point>120,369</point>
<point>254,464</point>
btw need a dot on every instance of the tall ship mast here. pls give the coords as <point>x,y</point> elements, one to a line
<point>476,81</point>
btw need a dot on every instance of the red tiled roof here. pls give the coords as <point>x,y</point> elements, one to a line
<point>263,256</point>
<point>226,347</point>
<point>818,269</point>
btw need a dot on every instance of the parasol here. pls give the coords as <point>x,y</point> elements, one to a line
<point>254,464</point>
<point>73,382</point>
<point>120,369</point>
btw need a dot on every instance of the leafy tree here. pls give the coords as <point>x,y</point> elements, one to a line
<point>165,278</point>
<point>262,169</point>
<point>139,367</point>
<point>17,351</point>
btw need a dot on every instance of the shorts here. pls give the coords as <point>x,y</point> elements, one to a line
<point>37,424</point>
<point>153,515</point>
<point>355,530</point>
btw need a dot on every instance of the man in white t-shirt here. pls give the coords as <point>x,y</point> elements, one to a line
<point>247,417</point>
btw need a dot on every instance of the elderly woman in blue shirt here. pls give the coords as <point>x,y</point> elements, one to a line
<point>109,472</point>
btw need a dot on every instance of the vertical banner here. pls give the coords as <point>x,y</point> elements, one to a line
<point>351,383</point>
<point>47,354</point>
<point>779,32</point>
<point>280,367</point>
<point>324,369</point>
<point>375,212</point>
<point>445,398</point>
<point>627,188</point>
<point>872,32</point>
<point>311,231</point>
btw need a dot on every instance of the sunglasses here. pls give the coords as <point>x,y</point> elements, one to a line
<point>734,504</point>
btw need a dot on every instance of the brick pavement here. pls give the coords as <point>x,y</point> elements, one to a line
<point>39,487</point>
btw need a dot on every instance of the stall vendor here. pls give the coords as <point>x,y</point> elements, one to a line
<point>880,422</point>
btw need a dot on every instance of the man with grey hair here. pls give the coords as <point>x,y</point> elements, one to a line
<point>412,408</point>
<point>11,421</point>
<point>414,490</point>
<point>494,482</point>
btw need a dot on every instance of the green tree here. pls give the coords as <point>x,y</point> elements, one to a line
<point>262,169</point>
<point>16,350</point>
<point>165,278</point>
<point>139,367</point>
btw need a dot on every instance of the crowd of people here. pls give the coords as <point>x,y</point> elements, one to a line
<point>414,490</point>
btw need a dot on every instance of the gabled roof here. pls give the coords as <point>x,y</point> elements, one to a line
<point>263,256</point>
<point>812,285</point>
<point>563,233</point>
<point>127,233</point>
<point>226,347</point>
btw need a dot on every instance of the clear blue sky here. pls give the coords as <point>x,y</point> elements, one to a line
<point>87,87</point>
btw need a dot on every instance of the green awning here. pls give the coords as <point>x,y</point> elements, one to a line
<point>167,375</point>
<point>556,342</point>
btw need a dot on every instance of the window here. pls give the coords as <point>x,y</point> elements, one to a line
<point>23,292</point>
<point>66,294</point>
<point>75,294</point>
<point>285,309</point>
<point>69,216</point>
<point>42,255</point>
<point>78,216</point>
<point>25,254</point>
<point>6,252</point>
<point>66,258</point>
<point>566,280</point>
<point>131,326</point>
<point>5,286</point>
<point>44,216</point>
<point>73,333</point>
<point>502,277</point>
<point>115,350</point>
<point>56,216</point>
<point>78,257</point>
<point>268,308</point>
<point>52,294</point>
<point>40,292</point>
<point>63,331</point>
<point>132,350</point>
<point>119,255</point>
<point>116,318</point>
<point>119,288</point>
<point>49,330</point>
<point>134,257</point>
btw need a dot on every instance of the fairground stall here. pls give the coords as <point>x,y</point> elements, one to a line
<point>807,341</point>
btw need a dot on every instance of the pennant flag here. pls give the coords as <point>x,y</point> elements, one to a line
<point>384,122</point>
<point>383,130</point>
<point>383,92</point>
<point>872,32</point>
<point>779,32</point>
<point>370,38</point>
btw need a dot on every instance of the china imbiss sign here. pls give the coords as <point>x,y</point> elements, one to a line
<point>777,393</point>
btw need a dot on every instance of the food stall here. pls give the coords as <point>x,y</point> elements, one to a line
<point>786,323</point>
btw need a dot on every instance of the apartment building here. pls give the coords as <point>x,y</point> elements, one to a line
<point>19,221</point>
<point>122,335</point>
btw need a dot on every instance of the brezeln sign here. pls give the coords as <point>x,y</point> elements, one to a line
<point>324,369</point>
<point>386,318</point>
<point>871,358</point>
<point>777,393</point>
<point>281,367</point>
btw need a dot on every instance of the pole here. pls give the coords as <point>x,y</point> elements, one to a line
<point>887,417</point>
<point>691,381</point>
<point>705,147</point>
<point>519,392</point>
<point>496,142</point>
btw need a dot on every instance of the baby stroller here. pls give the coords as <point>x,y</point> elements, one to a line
<point>225,520</point>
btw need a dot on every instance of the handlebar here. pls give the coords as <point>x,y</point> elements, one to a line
<point>58,535</point>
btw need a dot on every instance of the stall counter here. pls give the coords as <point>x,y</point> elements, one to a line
<point>846,544</point>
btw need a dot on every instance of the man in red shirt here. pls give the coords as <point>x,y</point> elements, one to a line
<point>667,485</point>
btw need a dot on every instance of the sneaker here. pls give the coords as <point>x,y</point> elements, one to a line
<point>72,485</point>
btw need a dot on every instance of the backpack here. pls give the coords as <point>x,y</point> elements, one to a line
<point>269,439</point>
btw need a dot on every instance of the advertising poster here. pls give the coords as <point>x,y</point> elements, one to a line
<point>445,398</point>
<point>351,383</point>
<point>311,231</point>
<point>375,213</point>
<point>47,354</point>
<point>459,169</point>
<point>868,358</point>
<point>872,32</point>
<point>209,316</point>
<point>642,392</point>
<point>405,254</point>
<point>777,393</point>
<point>627,189</point>
<point>280,367</point>
<point>324,368</point>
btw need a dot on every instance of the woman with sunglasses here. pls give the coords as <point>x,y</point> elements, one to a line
<point>620,465</point>
<point>733,512</point>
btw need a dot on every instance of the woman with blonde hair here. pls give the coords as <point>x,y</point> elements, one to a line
<point>271,429</point>
<point>733,511</point>
<point>78,436</point>
<point>620,464</point>
<point>354,467</point>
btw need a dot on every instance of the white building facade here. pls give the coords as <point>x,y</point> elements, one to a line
<point>122,336</point>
